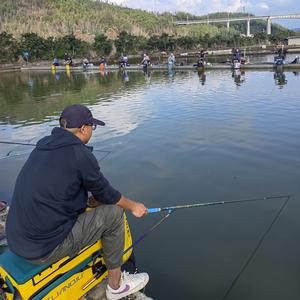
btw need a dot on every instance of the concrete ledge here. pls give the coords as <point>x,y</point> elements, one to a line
<point>227,66</point>
<point>9,67</point>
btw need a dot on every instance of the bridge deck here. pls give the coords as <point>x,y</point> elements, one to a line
<point>238,19</point>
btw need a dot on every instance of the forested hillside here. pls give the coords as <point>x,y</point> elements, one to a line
<point>86,18</point>
<point>83,17</point>
<point>48,28</point>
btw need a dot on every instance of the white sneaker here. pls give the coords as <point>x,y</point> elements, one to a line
<point>129,284</point>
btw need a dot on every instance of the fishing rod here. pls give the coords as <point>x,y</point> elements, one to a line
<point>33,145</point>
<point>17,143</point>
<point>30,144</point>
<point>171,209</point>
<point>159,209</point>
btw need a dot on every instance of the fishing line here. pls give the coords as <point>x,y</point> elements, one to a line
<point>133,244</point>
<point>147,232</point>
<point>29,144</point>
<point>256,248</point>
<point>17,143</point>
<point>8,155</point>
<point>105,155</point>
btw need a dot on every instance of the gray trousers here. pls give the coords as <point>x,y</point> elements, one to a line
<point>104,222</point>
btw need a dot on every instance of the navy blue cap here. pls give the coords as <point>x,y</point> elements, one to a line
<point>74,116</point>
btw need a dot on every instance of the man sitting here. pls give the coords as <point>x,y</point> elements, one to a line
<point>48,220</point>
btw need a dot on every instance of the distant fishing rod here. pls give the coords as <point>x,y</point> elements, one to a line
<point>168,208</point>
<point>33,145</point>
<point>17,143</point>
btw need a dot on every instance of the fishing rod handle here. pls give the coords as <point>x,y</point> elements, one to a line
<point>153,210</point>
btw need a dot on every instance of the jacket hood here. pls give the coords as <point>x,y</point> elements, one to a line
<point>59,138</point>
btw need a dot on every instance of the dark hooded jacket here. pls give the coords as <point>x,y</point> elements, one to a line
<point>51,191</point>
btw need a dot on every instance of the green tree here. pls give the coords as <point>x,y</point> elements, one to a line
<point>9,48</point>
<point>260,37</point>
<point>205,41</point>
<point>124,42</point>
<point>140,43</point>
<point>69,44</point>
<point>36,46</point>
<point>186,42</point>
<point>153,43</point>
<point>163,42</point>
<point>102,45</point>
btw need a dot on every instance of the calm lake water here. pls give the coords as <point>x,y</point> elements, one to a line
<point>182,138</point>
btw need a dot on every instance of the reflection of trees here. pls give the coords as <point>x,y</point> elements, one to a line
<point>29,96</point>
<point>34,96</point>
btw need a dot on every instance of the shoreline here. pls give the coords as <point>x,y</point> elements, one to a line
<point>157,58</point>
<point>164,67</point>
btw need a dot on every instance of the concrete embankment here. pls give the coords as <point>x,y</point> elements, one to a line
<point>159,59</point>
<point>9,67</point>
<point>161,67</point>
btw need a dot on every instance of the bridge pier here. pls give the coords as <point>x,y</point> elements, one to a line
<point>228,25</point>
<point>269,26</point>
<point>248,28</point>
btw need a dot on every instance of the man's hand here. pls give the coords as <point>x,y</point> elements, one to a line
<point>136,208</point>
<point>139,210</point>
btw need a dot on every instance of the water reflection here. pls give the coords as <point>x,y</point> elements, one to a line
<point>171,72</point>
<point>239,76</point>
<point>147,74</point>
<point>103,73</point>
<point>202,76</point>
<point>53,91</point>
<point>68,72</point>
<point>30,83</point>
<point>280,78</point>
<point>125,75</point>
<point>170,142</point>
<point>57,75</point>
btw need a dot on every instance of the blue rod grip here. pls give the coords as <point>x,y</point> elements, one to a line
<point>153,210</point>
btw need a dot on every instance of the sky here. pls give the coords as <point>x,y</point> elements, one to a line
<point>202,7</point>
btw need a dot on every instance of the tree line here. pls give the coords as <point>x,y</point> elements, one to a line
<point>39,48</point>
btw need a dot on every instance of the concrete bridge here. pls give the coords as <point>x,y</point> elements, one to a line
<point>248,19</point>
